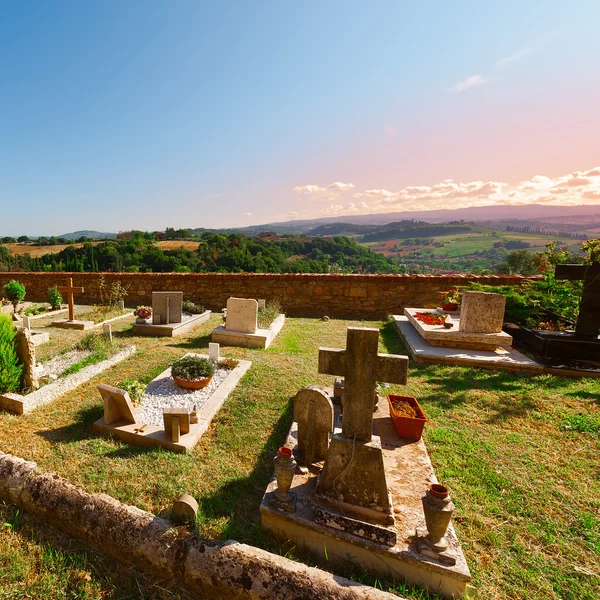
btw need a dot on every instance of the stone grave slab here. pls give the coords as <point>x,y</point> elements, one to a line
<point>188,322</point>
<point>167,307</point>
<point>437,335</point>
<point>240,328</point>
<point>409,472</point>
<point>143,434</point>
<point>502,358</point>
<point>117,405</point>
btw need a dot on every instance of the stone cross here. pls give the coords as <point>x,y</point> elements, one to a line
<point>313,411</point>
<point>588,322</point>
<point>70,290</point>
<point>362,367</point>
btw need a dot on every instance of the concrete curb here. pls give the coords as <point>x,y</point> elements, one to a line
<point>135,537</point>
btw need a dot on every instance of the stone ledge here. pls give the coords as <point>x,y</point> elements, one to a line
<point>262,338</point>
<point>215,570</point>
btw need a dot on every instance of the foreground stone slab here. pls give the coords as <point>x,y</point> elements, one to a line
<point>482,312</point>
<point>187,323</point>
<point>261,338</point>
<point>409,473</point>
<point>437,335</point>
<point>503,358</point>
<point>19,405</point>
<point>215,570</point>
<point>143,434</point>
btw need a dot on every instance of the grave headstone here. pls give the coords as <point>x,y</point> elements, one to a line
<point>107,331</point>
<point>482,312</point>
<point>313,411</point>
<point>588,322</point>
<point>121,304</point>
<point>167,307</point>
<point>242,315</point>
<point>26,322</point>
<point>354,473</point>
<point>117,405</point>
<point>26,352</point>
<point>213,352</point>
<point>70,291</point>
<point>262,304</point>
<point>184,509</point>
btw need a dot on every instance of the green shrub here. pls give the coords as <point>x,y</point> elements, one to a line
<point>193,308</point>
<point>135,389</point>
<point>269,313</point>
<point>10,369</point>
<point>95,343</point>
<point>15,292</point>
<point>192,367</point>
<point>54,298</point>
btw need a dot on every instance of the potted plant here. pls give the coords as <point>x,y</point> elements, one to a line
<point>407,416</point>
<point>143,313</point>
<point>450,300</point>
<point>192,372</point>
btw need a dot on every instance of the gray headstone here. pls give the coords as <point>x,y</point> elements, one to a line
<point>168,306</point>
<point>107,331</point>
<point>313,411</point>
<point>482,312</point>
<point>262,304</point>
<point>213,352</point>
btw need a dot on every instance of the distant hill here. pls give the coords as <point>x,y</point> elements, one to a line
<point>88,233</point>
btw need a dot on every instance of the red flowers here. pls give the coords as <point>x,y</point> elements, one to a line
<point>430,318</point>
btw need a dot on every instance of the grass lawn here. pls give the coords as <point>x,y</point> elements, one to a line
<point>519,453</point>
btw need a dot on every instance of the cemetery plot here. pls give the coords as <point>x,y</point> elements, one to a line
<point>167,415</point>
<point>360,494</point>
<point>168,319</point>
<point>241,325</point>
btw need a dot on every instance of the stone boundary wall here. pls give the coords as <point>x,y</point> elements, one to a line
<point>300,295</point>
<point>215,570</point>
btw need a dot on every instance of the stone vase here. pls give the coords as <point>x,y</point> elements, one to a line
<point>285,467</point>
<point>141,321</point>
<point>438,509</point>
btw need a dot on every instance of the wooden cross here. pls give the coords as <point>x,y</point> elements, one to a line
<point>588,322</point>
<point>362,367</point>
<point>70,290</point>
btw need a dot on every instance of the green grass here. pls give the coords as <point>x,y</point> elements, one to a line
<point>526,487</point>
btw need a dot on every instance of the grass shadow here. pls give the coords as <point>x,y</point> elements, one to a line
<point>80,429</point>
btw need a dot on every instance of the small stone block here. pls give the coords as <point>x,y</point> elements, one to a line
<point>213,352</point>
<point>369,531</point>
<point>121,304</point>
<point>448,556</point>
<point>184,419</point>
<point>184,509</point>
<point>175,431</point>
<point>26,322</point>
<point>107,331</point>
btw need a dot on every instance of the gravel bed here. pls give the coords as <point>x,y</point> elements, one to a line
<point>170,395</point>
<point>61,362</point>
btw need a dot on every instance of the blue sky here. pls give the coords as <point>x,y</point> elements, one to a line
<point>119,115</point>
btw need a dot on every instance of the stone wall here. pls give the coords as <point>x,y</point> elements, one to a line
<point>369,296</point>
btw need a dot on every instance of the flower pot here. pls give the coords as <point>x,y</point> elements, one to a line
<point>449,307</point>
<point>407,427</point>
<point>141,321</point>
<point>193,384</point>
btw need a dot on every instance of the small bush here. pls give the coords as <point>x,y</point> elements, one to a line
<point>15,292</point>
<point>54,298</point>
<point>269,313</point>
<point>193,308</point>
<point>95,343</point>
<point>10,369</point>
<point>135,389</point>
<point>228,363</point>
<point>192,367</point>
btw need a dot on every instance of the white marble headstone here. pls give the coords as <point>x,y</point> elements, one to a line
<point>213,352</point>
<point>242,315</point>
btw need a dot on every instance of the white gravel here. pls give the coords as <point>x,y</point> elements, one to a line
<point>170,395</point>
<point>59,363</point>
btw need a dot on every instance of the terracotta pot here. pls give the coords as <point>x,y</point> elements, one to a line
<point>407,427</point>
<point>449,307</point>
<point>195,384</point>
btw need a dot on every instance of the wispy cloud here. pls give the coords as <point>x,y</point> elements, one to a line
<point>514,57</point>
<point>469,82</point>
<point>247,214</point>
<point>329,193</point>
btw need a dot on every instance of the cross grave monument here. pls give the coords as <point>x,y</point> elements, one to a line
<point>70,290</point>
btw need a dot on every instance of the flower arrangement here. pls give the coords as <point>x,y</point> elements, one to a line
<point>430,318</point>
<point>452,296</point>
<point>143,312</point>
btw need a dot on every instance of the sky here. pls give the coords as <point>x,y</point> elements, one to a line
<point>149,114</point>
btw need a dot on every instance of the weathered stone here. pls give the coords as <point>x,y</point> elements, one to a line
<point>167,306</point>
<point>26,353</point>
<point>184,509</point>
<point>242,315</point>
<point>213,352</point>
<point>313,411</point>
<point>482,312</point>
